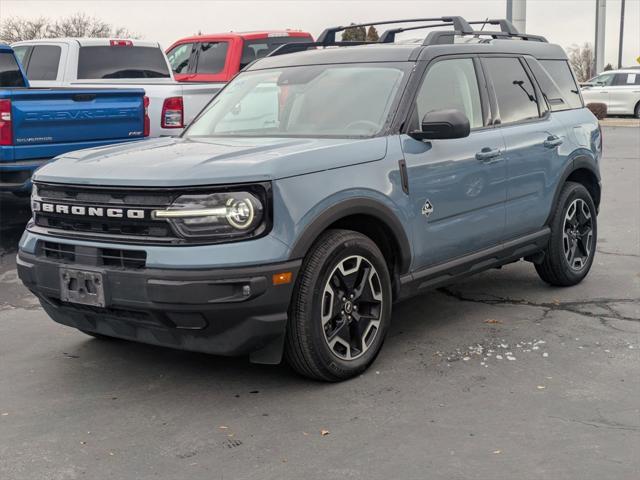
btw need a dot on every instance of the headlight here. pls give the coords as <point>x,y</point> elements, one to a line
<point>35,206</point>
<point>224,214</point>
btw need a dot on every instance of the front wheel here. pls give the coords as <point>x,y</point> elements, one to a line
<point>341,308</point>
<point>572,244</point>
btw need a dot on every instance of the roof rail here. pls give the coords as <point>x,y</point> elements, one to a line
<point>507,30</point>
<point>461,27</point>
<point>439,38</point>
<point>328,36</point>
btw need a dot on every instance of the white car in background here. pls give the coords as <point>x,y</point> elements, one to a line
<point>618,89</point>
<point>99,62</point>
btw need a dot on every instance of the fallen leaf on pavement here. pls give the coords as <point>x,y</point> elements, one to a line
<point>492,320</point>
<point>324,433</point>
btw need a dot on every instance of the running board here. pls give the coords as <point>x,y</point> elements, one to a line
<point>451,271</point>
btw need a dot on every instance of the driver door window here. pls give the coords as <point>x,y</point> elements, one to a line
<point>451,84</point>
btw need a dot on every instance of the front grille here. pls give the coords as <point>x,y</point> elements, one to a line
<point>92,256</point>
<point>102,226</point>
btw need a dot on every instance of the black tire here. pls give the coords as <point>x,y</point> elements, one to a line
<point>307,346</point>
<point>636,112</point>
<point>556,268</point>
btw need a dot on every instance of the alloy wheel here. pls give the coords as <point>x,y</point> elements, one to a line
<point>351,307</point>
<point>577,237</point>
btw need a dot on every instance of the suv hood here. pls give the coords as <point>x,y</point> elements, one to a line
<point>208,161</point>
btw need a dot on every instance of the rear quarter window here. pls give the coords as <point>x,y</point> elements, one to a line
<point>43,62</point>
<point>99,62</point>
<point>10,75</point>
<point>561,74</point>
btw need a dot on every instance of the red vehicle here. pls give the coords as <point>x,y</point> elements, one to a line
<point>219,56</point>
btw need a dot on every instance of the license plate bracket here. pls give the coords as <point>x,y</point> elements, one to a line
<point>82,286</point>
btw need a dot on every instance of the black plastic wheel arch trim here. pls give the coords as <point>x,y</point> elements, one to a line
<point>356,206</point>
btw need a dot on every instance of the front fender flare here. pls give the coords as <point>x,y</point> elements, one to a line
<point>356,206</point>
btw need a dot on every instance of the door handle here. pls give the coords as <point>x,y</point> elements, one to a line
<point>553,141</point>
<point>488,155</point>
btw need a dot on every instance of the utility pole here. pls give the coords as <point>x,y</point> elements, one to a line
<point>601,17</point>
<point>517,14</point>
<point>621,34</point>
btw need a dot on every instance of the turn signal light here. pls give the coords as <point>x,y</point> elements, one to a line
<point>282,278</point>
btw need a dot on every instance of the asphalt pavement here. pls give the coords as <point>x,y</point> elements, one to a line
<point>498,377</point>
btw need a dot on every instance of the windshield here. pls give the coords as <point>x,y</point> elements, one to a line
<point>352,100</point>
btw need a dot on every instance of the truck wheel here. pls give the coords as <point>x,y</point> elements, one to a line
<point>341,308</point>
<point>572,244</point>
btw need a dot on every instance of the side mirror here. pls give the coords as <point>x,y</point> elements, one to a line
<point>442,124</point>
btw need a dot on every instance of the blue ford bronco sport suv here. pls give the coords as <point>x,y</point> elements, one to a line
<point>324,183</point>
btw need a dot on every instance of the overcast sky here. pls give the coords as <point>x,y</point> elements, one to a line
<point>562,21</point>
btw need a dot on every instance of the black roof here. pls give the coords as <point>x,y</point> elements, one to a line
<point>462,39</point>
<point>393,52</point>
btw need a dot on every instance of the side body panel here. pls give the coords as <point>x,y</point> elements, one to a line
<point>467,195</point>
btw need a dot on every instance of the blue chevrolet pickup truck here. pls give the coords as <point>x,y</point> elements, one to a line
<point>37,124</point>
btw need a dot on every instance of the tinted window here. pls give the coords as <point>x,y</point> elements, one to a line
<point>10,75</point>
<point>179,57</point>
<point>560,72</point>
<point>451,84</point>
<point>212,57</point>
<point>255,49</point>
<point>43,63</point>
<point>121,62</point>
<point>514,90</point>
<point>624,79</point>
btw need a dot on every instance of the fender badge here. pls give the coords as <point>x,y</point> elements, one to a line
<point>427,208</point>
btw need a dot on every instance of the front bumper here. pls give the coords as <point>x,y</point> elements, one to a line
<point>225,311</point>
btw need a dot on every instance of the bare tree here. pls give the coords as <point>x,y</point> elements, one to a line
<point>76,25</point>
<point>582,60</point>
<point>15,29</point>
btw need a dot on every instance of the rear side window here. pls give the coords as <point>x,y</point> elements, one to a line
<point>121,62</point>
<point>560,72</point>
<point>44,62</point>
<point>179,57</point>
<point>211,57</point>
<point>625,79</point>
<point>513,88</point>
<point>10,75</point>
<point>451,84</point>
<point>258,48</point>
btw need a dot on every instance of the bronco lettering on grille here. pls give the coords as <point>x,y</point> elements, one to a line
<point>81,210</point>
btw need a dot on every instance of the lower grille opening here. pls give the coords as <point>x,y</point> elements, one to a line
<point>133,259</point>
<point>58,251</point>
<point>92,256</point>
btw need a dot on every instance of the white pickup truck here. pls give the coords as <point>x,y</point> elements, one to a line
<point>97,62</point>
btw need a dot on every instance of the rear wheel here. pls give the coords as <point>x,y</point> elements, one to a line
<point>341,308</point>
<point>636,112</point>
<point>572,244</point>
